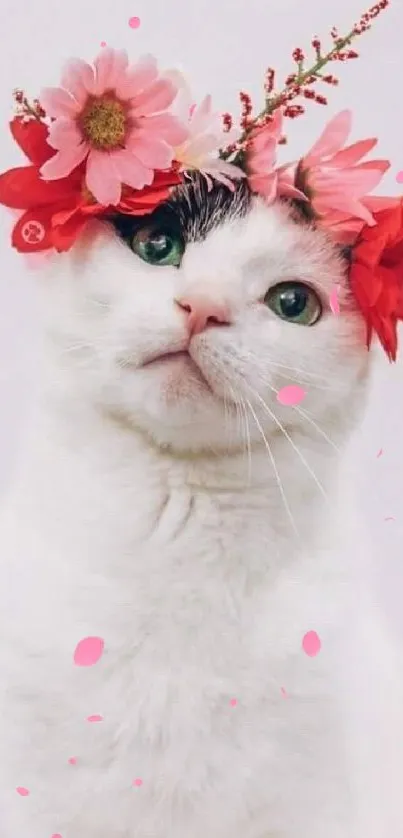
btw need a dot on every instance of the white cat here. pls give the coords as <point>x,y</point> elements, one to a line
<point>170,505</point>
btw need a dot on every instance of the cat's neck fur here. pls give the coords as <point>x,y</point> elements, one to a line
<point>91,484</point>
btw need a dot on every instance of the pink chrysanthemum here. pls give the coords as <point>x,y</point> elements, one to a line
<point>264,179</point>
<point>337,184</point>
<point>115,117</point>
<point>206,136</point>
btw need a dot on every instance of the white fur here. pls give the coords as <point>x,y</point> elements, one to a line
<point>141,515</point>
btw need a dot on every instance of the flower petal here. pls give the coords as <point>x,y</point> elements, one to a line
<point>64,162</point>
<point>131,171</point>
<point>63,133</point>
<point>23,188</point>
<point>110,65</point>
<point>352,154</point>
<point>183,102</point>
<point>332,138</point>
<point>154,99</point>
<point>78,79</point>
<point>39,219</point>
<point>202,115</point>
<point>58,102</point>
<point>264,186</point>
<point>166,126</point>
<point>142,75</point>
<point>102,178</point>
<point>65,235</point>
<point>357,181</point>
<point>342,202</point>
<point>153,153</point>
<point>32,139</point>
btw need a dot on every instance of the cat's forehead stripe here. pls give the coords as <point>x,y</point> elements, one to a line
<point>200,210</point>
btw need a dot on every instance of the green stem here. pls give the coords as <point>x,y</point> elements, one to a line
<point>277,100</point>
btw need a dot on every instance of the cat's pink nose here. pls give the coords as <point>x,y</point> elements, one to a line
<point>203,311</point>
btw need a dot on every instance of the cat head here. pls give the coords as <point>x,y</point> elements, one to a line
<point>193,323</point>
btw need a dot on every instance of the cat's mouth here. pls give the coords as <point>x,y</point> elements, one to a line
<point>182,361</point>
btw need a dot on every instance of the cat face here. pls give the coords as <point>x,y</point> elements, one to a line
<point>187,323</point>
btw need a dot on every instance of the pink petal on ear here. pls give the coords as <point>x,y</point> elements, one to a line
<point>352,154</point>
<point>332,138</point>
<point>78,78</point>
<point>102,179</point>
<point>58,102</point>
<point>62,163</point>
<point>155,98</point>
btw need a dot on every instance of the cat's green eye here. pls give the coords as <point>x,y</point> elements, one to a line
<point>295,302</point>
<point>158,246</point>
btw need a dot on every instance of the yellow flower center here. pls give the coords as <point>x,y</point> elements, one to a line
<point>104,123</point>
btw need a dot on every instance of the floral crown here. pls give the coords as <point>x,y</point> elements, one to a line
<point>117,138</point>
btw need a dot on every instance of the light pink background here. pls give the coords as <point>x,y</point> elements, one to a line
<point>224,45</point>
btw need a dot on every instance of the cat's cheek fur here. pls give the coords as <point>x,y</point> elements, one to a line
<point>166,525</point>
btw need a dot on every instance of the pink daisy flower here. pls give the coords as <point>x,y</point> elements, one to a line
<point>337,183</point>
<point>264,179</point>
<point>206,136</point>
<point>114,116</point>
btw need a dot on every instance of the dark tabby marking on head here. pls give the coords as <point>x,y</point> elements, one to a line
<point>191,210</point>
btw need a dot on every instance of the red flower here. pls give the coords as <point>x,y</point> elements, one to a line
<point>376,276</point>
<point>56,211</point>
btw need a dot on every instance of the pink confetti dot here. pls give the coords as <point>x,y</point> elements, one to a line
<point>334,302</point>
<point>137,782</point>
<point>88,651</point>
<point>73,761</point>
<point>134,22</point>
<point>96,718</point>
<point>233,702</point>
<point>311,644</point>
<point>103,43</point>
<point>291,395</point>
<point>399,177</point>
<point>379,454</point>
<point>22,791</point>
<point>56,835</point>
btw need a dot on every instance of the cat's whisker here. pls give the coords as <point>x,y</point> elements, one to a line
<point>244,427</point>
<point>307,382</point>
<point>275,469</point>
<point>309,418</point>
<point>317,428</point>
<point>301,370</point>
<point>290,440</point>
<point>77,347</point>
<point>248,440</point>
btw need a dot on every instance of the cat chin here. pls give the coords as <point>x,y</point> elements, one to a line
<point>177,409</point>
